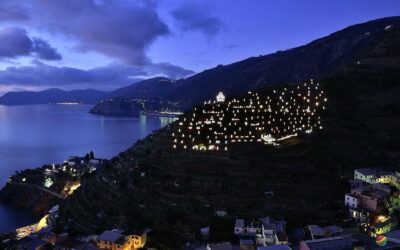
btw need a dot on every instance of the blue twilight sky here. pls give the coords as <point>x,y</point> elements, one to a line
<point>106,44</point>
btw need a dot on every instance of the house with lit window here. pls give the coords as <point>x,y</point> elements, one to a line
<point>115,240</point>
<point>274,231</point>
<point>250,230</point>
<point>371,200</point>
<point>374,176</point>
<point>369,175</point>
<point>351,200</point>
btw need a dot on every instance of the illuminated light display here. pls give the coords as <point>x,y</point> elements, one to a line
<point>269,139</point>
<point>268,117</point>
<point>48,182</point>
<point>381,240</point>
<point>220,97</point>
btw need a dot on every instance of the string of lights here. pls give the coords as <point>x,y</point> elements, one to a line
<point>268,117</point>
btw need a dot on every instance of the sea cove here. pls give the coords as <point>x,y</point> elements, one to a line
<point>31,136</point>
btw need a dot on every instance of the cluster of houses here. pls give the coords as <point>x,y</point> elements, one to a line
<point>111,240</point>
<point>260,233</point>
<point>374,200</point>
<point>259,117</point>
<point>268,233</point>
<point>265,233</point>
<point>349,240</point>
<point>78,166</point>
<point>313,237</point>
<point>75,167</point>
<point>116,240</point>
<point>46,223</point>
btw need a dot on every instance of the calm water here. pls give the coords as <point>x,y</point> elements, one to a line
<point>31,136</point>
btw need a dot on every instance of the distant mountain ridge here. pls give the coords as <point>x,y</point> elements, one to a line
<point>53,95</point>
<point>318,59</point>
<point>153,88</point>
<point>149,95</point>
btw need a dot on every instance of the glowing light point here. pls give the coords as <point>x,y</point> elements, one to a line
<point>268,139</point>
<point>220,97</point>
<point>48,182</point>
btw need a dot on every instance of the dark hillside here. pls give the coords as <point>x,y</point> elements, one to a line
<point>317,59</point>
<point>87,96</point>
<point>156,88</point>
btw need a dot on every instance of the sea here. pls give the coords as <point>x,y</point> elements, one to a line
<point>34,135</point>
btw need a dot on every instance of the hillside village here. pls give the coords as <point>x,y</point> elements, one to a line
<point>373,206</point>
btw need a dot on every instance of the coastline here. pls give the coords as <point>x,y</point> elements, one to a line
<point>50,144</point>
<point>17,217</point>
<point>161,114</point>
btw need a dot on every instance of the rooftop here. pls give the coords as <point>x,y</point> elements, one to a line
<point>395,235</point>
<point>194,246</point>
<point>375,193</point>
<point>222,246</point>
<point>367,171</point>
<point>31,243</point>
<point>353,195</point>
<point>275,247</point>
<point>54,209</point>
<point>239,223</point>
<point>316,230</point>
<point>334,229</point>
<point>111,236</point>
<point>246,242</point>
<point>334,243</point>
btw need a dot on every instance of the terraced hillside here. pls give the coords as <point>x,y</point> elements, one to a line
<point>176,192</point>
<point>153,185</point>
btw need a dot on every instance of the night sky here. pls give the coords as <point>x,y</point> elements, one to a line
<point>106,44</point>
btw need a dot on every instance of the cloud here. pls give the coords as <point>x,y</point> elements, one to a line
<point>119,29</point>
<point>15,42</point>
<point>116,28</point>
<point>9,11</point>
<point>167,69</point>
<point>44,50</point>
<point>192,16</point>
<point>114,75</point>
